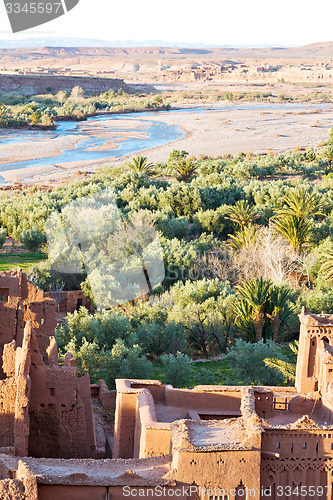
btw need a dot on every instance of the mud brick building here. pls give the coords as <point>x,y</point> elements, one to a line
<point>208,442</point>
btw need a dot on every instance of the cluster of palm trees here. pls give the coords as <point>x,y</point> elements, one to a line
<point>184,168</point>
<point>294,221</point>
<point>262,308</point>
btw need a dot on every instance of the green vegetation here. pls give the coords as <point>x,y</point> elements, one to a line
<point>287,368</point>
<point>24,260</point>
<point>247,241</point>
<point>44,110</point>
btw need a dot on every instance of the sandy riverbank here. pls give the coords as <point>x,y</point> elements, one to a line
<point>32,149</point>
<point>237,130</point>
<point>212,132</point>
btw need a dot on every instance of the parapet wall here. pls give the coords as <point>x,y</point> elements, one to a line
<point>138,432</point>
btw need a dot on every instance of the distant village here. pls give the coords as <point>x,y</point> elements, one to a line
<point>198,72</point>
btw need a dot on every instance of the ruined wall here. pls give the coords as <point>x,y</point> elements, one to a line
<point>23,302</point>
<point>7,411</point>
<point>60,412</point>
<point>45,410</point>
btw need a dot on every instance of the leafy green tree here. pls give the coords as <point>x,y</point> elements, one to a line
<point>280,310</point>
<point>185,169</point>
<point>35,117</point>
<point>295,230</point>
<point>330,140</point>
<point>247,363</point>
<point>3,115</point>
<point>244,238</point>
<point>328,154</point>
<point>302,204</point>
<point>178,369</point>
<point>262,309</point>
<point>204,309</point>
<point>61,97</point>
<point>177,155</point>
<point>130,362</point>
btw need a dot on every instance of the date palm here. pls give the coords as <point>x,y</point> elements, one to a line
<point>295,230</point>
<point>242,213</point>
<point>286,368</point>
<point>280,310</point>
<point>185,169</point>
<point>140,164</point>
<point>302,204</point>
<point>256,294</point>
<point>244,238</point>
<point>294,220</point>
<point>327,267</point>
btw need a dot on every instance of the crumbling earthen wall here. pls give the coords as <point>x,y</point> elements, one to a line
<point>20,302</point>
<point>45,410</point>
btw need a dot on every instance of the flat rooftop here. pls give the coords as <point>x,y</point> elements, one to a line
<point>103,472</point>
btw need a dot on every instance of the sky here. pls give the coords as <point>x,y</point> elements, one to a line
<point>211,22</point>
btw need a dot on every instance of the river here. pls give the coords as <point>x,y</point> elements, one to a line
<point>153,130</point>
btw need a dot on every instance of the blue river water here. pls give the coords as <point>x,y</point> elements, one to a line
<point>158,133</point>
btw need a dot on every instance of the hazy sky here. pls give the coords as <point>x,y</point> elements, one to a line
<point>218,22</point>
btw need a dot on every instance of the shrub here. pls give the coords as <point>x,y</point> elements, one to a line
<point>32,239</point>
<point>247,362</point>
<point>3,237</point>
<point>178,369</point>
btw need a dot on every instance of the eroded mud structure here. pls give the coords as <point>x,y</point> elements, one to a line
<point>232,442</point>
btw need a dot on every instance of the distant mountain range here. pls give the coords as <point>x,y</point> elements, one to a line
<point>87,42</point>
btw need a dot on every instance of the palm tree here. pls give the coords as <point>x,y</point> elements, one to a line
<point>327,267</point>
<point>280,310</point>
<point>244,319</point>
<point>256,293</point>
<point>140,164</point>
<point>287,368</point>
<point>185,169</point>
<point>295,230</point>
<point>294,220</point>
<point>242,213</point>
<point>302,204</point>
<point>244,238</point>
<point>328,154</point>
